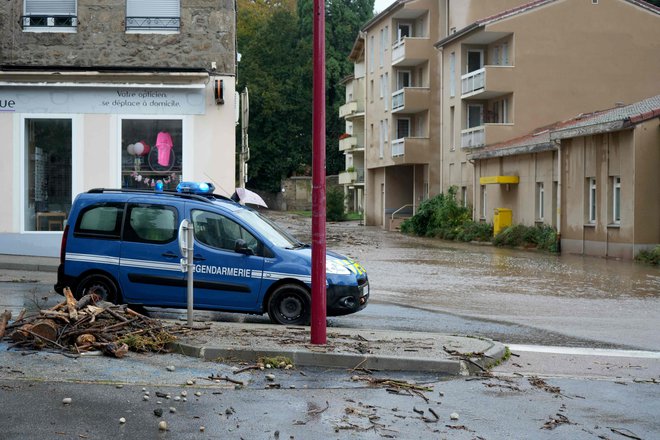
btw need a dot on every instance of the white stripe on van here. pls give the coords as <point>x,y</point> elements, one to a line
<point>88,258</point>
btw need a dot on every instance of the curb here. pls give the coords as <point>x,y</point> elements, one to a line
<point>306,358</point>
<point>31,267</point>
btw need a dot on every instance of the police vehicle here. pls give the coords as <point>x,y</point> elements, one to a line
<point>124,246</point>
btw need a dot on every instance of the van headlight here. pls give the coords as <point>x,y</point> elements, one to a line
<point>333,266</point>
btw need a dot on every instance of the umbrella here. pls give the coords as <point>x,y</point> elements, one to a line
<point>245,196</point>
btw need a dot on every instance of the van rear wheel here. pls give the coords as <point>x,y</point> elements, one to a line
<point>102,285</point>
<point>289,305</point>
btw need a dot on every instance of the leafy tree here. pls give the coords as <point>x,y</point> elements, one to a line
<point>275,42</point>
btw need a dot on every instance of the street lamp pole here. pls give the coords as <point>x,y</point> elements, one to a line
<point>318,322</point>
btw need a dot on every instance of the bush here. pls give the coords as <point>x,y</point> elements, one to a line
<point>651,256</point>
<point>334,205</point>
<point>442,216</point>
<point>542,237</point>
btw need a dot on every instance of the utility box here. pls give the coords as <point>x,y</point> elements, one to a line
<point>502,219</point>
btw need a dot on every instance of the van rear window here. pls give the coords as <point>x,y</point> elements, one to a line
<point>103,220</point>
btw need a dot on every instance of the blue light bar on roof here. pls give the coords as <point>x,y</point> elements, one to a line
<point>195,187</point>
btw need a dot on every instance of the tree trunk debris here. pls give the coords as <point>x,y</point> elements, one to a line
<point>86,325</point>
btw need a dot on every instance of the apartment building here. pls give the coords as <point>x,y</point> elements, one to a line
<point>500,70</point>
<point>103,93</point>
<point>401,122</point>
<point>529,66</point>
<point>599,168</point>
<point>351,143</point>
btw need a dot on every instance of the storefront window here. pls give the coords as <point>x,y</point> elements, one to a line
<point>151,152</point>
<point>48,173</point>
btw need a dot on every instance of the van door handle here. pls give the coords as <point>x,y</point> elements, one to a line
<point>169,254</point>
<point>198,258</point>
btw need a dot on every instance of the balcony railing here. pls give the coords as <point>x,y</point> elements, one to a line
<point>473,137</point>
<point>49,21</point>
<point>347,143</point>
<point>153,23</point>
<point>349,177</point>
<point>398,147</point>
<point>411,99</point>
<point>473,81</point>
<point>411,51</point>
<point>348,109</point>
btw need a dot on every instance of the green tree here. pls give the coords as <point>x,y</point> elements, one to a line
<point>275,42</point>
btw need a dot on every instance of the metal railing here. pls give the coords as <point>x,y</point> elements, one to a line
<point>398,147</point>
<point>473,81</point>
<point>410,205</point>
<point>49,21</point>
<point>473,137</point>
<point>153,23</point>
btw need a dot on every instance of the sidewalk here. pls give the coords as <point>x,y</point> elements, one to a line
<point>25,262</point>
<point>345,348</point>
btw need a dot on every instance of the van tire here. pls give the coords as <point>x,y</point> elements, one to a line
<point>100,284</point>
<point>289,304</point>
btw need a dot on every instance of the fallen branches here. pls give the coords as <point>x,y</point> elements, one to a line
<point>85,325</point>
<point>4,319</point>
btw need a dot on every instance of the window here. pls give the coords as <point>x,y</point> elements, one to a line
<point>464,194</point>
<point>387,90</point>
<point>499,113</point>
<point>153,15</point>
<point>151,223</point>
<point>402,128</point>
<point>381,148</point>
<point>101,221</point>
<point>540,201</point>
<point>591,188</point>
<point>403,30</point>
<point>219,232</point>
<point>44,15</point>
<point>372,59</point>
<point>452,74</point>
<point>616,199</point>
<point>402,79</point>
<point>48,146</point>
<point>151,152</point>
<point>475,60</point>
<point>387,37</point>
<point>452,140</point>
<point>382,87</point>
<point>475,115</point>
<point>371,90</point>
<point>381,52</point>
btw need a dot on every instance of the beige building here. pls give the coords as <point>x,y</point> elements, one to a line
<point>351,143</point>
<point>100,93</point>
<point>468,74</point>
<point>532,65</point>
<point>594,177</point>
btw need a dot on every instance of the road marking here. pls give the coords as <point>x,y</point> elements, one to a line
<point>585,351</point>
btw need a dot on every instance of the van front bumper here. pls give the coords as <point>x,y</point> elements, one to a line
<point>343,300</point>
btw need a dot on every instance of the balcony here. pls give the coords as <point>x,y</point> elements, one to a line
<point>351,177</point>
<point>411,150</point>
<point>411,51</point>
<point>487,134</point>
<point>473,137</point>
<point>351,110</point>
<point>411,100</point>
<point>348,143</point>
<point>487,83</point>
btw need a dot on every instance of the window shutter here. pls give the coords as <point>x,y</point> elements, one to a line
<point>153,8</point>
<point>50,7</point>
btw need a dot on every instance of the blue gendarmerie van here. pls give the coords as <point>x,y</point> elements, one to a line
<point>124,246</point>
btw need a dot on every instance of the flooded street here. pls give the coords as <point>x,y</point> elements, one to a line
<point>605,301</point>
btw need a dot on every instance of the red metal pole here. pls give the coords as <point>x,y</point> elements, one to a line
<point>318,179</point>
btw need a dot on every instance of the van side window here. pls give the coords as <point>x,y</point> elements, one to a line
<point>218,231</point>
<point>151,223</point>
<point>102,220</point>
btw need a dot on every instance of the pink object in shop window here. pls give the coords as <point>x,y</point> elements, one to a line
<point>164,145</point>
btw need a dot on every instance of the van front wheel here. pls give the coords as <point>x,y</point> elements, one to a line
<point>102,285</point>
<point>289,305</point>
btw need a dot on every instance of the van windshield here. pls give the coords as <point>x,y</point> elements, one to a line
<point>268,229</point>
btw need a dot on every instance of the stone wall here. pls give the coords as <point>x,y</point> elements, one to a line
<point>297,193</point>
<point>207,34</point>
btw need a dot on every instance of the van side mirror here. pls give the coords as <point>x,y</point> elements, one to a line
<point>242,248</point>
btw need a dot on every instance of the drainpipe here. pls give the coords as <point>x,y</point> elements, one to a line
<point>558,213</point>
